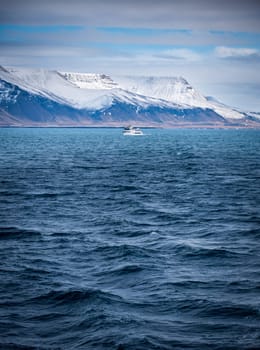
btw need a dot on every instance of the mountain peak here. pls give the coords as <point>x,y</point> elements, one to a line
<point>89,80</point>
<point>174,89</point>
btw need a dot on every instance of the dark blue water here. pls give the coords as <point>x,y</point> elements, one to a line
<point>115,242</point>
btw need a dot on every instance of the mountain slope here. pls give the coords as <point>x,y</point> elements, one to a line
<point>43,97</point>
<point>176,90</point>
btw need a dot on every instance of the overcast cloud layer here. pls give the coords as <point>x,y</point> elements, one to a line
<point>213,44</point>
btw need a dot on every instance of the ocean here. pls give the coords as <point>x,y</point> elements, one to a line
<point>120,242</point>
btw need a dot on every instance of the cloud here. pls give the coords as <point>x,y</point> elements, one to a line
<point>181,54</point>
<point>208,42</point>
<point>188,14</point>
<point>246,54</point>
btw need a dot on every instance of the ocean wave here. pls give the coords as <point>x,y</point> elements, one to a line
<point>124,188</point>
<point>68,297</point>
<point>92,167</point>
<point>16,232</point>
<point>189,251</point>
<point>121,270</point>
<point>230,310</point>
<point>124,250</point>
<point>48,194</point>
<point>15,346</point>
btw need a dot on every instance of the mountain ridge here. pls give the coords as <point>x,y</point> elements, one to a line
<point>31,97</point>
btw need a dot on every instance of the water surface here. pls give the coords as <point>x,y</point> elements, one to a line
<point>116,242</point>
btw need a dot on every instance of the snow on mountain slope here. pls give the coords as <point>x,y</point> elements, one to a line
<point>123,93</point>
<point>53,85</point>
<point>176,90</point>
<point>97,91</point>
<point>89,91</point>
<point>90,80</point>
<point>224,110</point>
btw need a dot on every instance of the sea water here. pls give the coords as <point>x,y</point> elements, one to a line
<point>129,242</point>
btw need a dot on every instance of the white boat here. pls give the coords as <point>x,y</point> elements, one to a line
<point>130,130</point>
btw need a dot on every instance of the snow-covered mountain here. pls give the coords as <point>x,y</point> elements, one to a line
<point>28,96</point>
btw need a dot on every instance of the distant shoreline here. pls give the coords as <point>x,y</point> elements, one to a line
<point>182,126</point>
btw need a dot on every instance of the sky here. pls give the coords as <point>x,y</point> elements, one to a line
<point>215,45</point>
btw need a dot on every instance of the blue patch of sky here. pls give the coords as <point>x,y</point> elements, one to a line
<point>142,31</point>
<point>11,33</point>
<point>18,34</point>
<point>236,34</point>
<point>73,28</point>
<point>140,47</point>
<point>251,39</point>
